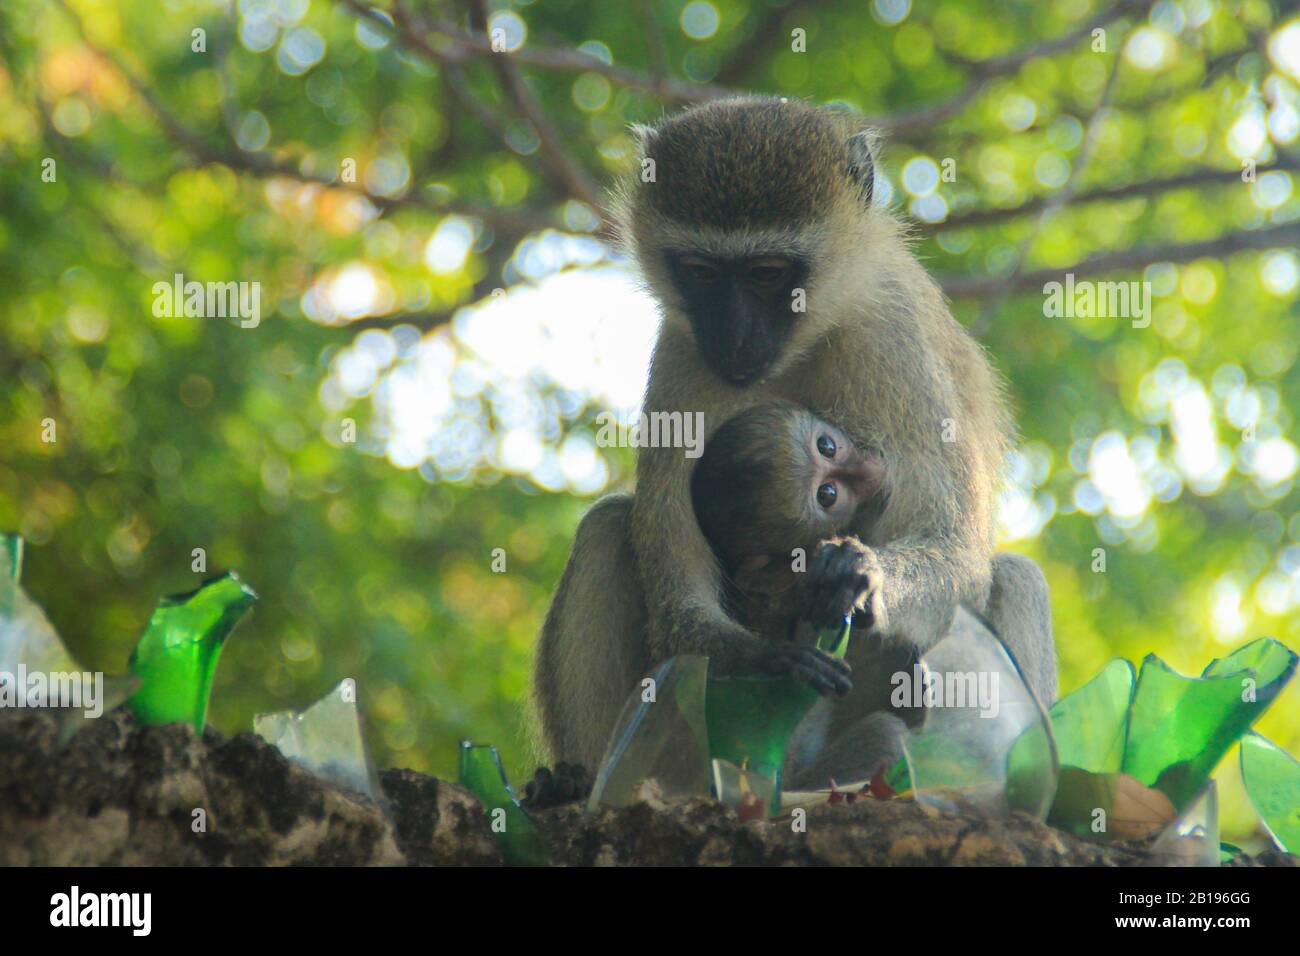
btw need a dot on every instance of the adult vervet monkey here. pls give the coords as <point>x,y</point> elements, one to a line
<point>778,278</point>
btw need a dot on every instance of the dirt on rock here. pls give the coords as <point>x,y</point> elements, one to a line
<point>121,794</point>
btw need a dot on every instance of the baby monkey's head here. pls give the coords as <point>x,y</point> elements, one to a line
<point>776,477</point>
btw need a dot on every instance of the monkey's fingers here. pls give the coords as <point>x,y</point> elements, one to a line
<point>834,596</point>
<point>827,675</point>
<point>817,584</point>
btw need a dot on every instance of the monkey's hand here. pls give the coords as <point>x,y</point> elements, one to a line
<point>762,658</point>
<point>845,576</point>
<point>825,674</point>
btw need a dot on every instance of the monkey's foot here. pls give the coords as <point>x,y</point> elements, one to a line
<point>568,783</point>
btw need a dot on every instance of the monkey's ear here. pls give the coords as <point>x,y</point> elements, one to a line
<point>645,137</point>
<point>862,164</point>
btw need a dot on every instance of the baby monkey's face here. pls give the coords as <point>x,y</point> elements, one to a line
<point>831,480</point>
<point>776,478</point>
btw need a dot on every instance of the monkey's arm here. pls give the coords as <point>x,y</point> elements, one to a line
<point>679,574</point>
<point>592,650</point>
<point>935,550</point>
<point>1020,610</point>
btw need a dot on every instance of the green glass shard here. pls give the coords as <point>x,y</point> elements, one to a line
<point>986,745</point>
<point>1169,730</point>
<point>521,843</point>
<point>898,778</point>
<point>750,720</point>
<point>1091,728</point>
<point>1091,723</point>
<point>328,738</point>
<point>1272,778</point>
<point>176,657</point>
<point>11,555</point>
<point>1180,727</point>
<point>660,738</point>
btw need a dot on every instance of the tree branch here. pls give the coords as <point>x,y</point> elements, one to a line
<point>465,44</point>
<point>1126,260</point>
<point>766,33</point>
<point>1194,178</point>
<point>568,173</point>
<point>262,164</point>
<point>986,71</point>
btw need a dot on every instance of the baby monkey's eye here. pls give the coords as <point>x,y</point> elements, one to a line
<point>826,445</point>
<point>827,494</point>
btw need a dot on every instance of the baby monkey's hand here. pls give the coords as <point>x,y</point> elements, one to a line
<point>845,576</point>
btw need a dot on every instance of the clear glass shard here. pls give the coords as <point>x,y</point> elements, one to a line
<point>176,657</point>
<point>328,738</point>
<point>520,841</point>
<point>660,739</point>
<point>110,693</point>
<point>1192,839</point>
<point>29,645</point>
<point>750,720</point>
<point>752,795</point>
<point>985,745</point>
<point>1272,778</point>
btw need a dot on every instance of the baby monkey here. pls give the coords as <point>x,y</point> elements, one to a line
<point>775,482</point>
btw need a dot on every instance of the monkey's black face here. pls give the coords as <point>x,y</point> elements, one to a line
<point>742,310</point>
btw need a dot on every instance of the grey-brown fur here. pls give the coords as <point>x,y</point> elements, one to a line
<point>877,353</point>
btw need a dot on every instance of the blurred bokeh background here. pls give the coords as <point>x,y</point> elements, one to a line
<point>457,300</point>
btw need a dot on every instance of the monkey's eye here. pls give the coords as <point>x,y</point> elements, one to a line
<point>826,446</point>
<point>768,272</point>
<point>827,494</point>
<point>701,270</point>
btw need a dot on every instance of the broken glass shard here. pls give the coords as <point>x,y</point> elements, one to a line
<point>750,720</point>
<point>752,795</point>
<point>1109,806</point>
<point>1180,727</point>
<point>31,652</point>
<point>517,836</point>
<point>660,739</point>
<point>1272,778</point>
<point>986,745</point>
<point>1169,730</point>
<point>11,555</point>
<point>328,738</point>
<point>1192,839</point>
<point>1091,723</point>
<point>176,656</point>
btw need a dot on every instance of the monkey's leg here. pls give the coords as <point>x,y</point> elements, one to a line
<point>1020,610</point>
<point>592,650</point>
<point>851,738</point>
<point>819,754</point>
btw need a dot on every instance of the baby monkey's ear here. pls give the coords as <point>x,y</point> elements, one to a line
<point>862,163</point>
